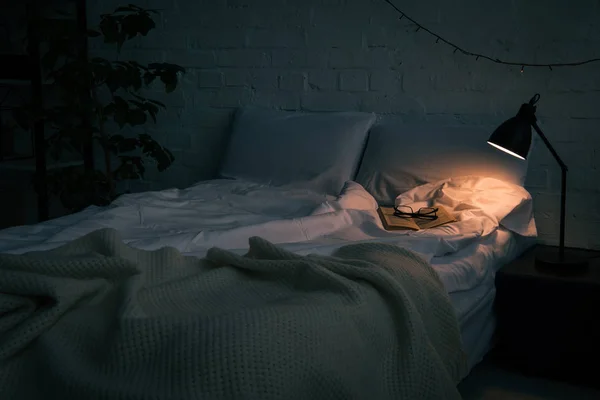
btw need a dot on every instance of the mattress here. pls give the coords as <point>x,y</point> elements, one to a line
<point>494,219</point>
<point>474,306</point>
<point>477,330</point>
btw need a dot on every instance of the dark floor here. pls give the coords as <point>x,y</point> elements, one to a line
<point>488,382</point>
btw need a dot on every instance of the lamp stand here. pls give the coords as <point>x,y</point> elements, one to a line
<point>558,260</point>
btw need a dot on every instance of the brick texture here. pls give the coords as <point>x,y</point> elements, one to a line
<point>327,55</point>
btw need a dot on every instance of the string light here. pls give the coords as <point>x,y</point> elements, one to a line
<point>477,55</point>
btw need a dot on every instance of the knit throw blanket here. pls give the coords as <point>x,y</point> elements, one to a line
<point>97,319</point>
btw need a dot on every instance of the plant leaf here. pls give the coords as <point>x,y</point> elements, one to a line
<point>121,39</point>
<point>109,109</point>
<point>138,65</point>
<point>152,115</point>
<point>135,78</point>
<point>129,25</point>
<point>156,102</point>
<point>116,138</point>
<point>173,67</point>
<point>139,104</point>
<point>128,8</point>
<point>110,29</point>
<point>149,78</point>
<point>136,117</point>
<point>170,81</point>
<point>120,102</point>
<point>138,23</point>
<point>120,118</point>
<point>139,163</point>
<point>152,110</point>
<point>127,144</point>
<point>131,167</point>
<point>145,24</point>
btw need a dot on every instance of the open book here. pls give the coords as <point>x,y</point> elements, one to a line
<point>394,223</point>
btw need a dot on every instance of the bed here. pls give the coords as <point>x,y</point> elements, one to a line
<point>324,196</point>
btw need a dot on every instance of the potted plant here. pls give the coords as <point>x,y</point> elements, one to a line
<point>98,98</point>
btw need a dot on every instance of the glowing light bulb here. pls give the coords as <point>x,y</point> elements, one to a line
<point>512,153</point>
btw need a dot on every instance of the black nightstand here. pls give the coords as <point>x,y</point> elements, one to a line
<point>549,325</point>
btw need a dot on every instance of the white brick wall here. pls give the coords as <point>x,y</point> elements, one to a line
<point>357,55</point>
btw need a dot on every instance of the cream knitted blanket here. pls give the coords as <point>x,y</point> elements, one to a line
<point>96,319</point>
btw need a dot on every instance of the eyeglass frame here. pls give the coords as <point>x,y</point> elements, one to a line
<point>419,214</point>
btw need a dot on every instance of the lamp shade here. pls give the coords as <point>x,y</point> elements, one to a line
<point>513,137</point>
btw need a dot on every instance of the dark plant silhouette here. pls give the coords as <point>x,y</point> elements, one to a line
<point>98,98</point>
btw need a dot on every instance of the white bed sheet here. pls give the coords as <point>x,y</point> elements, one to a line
<point>225,213</point>
<point>220,212</point>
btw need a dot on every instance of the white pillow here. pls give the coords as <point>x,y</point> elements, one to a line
<point>400,157</point>
<point>319,151</point>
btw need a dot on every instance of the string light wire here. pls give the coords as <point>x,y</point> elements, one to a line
<point>477,56</point>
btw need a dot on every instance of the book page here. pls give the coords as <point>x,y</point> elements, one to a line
<point>391,222</point>
<point>443,217</point>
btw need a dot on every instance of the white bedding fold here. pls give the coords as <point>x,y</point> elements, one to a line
<point>225,213</point>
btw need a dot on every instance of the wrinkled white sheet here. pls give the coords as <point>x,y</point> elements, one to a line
<point>225,213</point>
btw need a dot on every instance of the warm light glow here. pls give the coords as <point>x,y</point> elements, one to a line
<point>512,153</point>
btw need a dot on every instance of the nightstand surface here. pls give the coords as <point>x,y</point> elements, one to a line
<point>548,324</point>
<point>524,266</point>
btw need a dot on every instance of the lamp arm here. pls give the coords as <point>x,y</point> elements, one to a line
<point>563,192</point>
<point>549,146</point>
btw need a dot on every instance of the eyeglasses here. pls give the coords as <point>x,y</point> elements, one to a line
<point>429,213</point>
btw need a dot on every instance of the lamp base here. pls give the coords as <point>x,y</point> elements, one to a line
<point>548,261</point>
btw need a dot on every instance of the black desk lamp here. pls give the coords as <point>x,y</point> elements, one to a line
<point>514,138</point>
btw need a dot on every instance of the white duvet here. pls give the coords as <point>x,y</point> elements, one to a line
<point>225,213</point>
